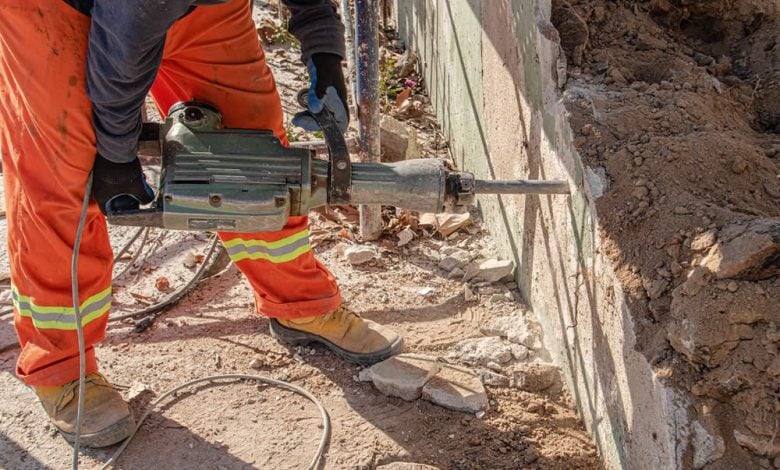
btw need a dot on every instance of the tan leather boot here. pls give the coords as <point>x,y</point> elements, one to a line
<point>343,332</point>
<point>106,417</point>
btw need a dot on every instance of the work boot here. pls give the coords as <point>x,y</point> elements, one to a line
<point>343,332</point>
<point>106,417</point>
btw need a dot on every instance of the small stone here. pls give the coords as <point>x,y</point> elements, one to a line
<point>402,376</point>
<point>190,259</point>
<point>704,240</point>
<point>739,165</point>
<point>256,364</point>
<point>162,284</point>
<point>136,390</point>
<point>405,64</point>
<point>698,279</point>
<point>493,379</point>
<point>536,377</point>
<point>426,291</point>
<point>456,273</point>
<point>530,456</point>
<point>681,210</point>
<point>360,254</point>
<point>456,390</point>
<point>732,287</point>
<point>640,192</point>
<point>469,294</point>
<point>398,141</point>
<point>772,190</point>
<point>405,236</point>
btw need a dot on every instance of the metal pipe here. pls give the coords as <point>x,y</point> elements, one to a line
<point>367,64</point>
<point>521,187</point>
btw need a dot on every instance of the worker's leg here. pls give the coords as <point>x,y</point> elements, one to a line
<point>48,148</point>
<point>214,55</point>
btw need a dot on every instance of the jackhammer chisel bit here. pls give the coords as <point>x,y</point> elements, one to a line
<point>240,180</point>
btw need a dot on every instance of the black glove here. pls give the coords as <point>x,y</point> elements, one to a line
<point>119,186</point>
<point>328,90</point>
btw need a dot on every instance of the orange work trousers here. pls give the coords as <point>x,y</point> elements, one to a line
<point>48,149</point>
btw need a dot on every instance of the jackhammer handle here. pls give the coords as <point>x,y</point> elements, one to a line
<point>521,187</point>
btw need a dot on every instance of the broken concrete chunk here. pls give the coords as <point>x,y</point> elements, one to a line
<point>448,224</point>
<point>360,254</point>
<point>481,351</point>
<point>750,252</point>
<point>515,328</point>
<point>457,390</point>
<point>401,376</point>
<point>494,270</point>
<point>537,377</point>
<point>399,141</point>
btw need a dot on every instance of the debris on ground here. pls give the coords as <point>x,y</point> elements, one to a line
<point>456,389</point>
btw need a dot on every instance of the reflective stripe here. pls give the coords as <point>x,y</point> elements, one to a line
<point>62,318</point>
<point>279,251</point>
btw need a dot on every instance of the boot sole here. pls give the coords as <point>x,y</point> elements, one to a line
<point>109,436</point>
<point>300,338</point>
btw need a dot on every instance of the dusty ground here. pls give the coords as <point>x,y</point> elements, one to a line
<point>675,104</point>
<point>243,425</point>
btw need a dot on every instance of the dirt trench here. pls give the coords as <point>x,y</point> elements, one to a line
<point>676,111</point>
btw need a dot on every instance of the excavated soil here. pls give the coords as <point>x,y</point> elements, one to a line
<point>676,110</point>
<point>214,331</point>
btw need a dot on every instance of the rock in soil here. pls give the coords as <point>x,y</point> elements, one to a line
<point>537,377</point>
<point>749,251</point>
<point>402,376</point>
<point>708,444</point>
<point>457,390</point>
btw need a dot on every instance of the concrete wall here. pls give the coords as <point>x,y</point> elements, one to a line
<point>491,67</point>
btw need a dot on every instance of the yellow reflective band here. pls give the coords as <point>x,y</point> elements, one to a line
<point>275,244</point>
<point>61,317</point>
<point>280,251</point>
<point>287,257</point>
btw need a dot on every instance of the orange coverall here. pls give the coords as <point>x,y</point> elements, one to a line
<point>48,148</point>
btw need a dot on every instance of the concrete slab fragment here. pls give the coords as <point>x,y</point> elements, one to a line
<point>457,390</point>
<point>402,376</point>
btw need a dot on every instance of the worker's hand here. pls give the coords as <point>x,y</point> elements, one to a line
<point>327,90</point>
<point>119,186</point>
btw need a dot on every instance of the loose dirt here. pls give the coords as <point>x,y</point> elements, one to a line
<point>676,108</point>
<point>244,425</point>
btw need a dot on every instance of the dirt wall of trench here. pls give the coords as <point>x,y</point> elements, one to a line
<point>656,279</point>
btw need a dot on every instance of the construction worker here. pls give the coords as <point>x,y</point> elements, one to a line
<point>73,78</point>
